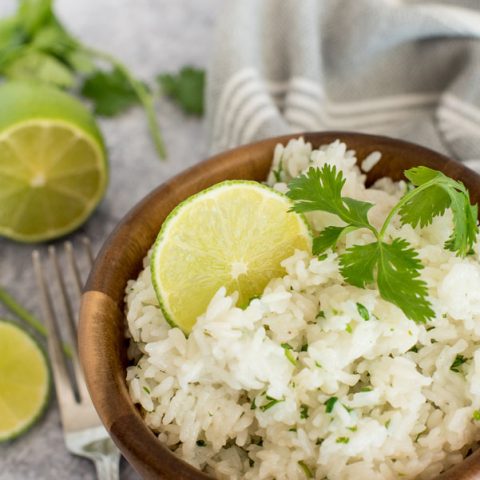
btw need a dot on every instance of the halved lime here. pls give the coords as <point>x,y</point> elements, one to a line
<point>53,169</point>
<point>24,381</point>
<point>234,234</point>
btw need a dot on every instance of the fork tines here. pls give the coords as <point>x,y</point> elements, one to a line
<point>51,280</point>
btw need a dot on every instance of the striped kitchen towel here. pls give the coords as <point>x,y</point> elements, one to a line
<point>407,69</point>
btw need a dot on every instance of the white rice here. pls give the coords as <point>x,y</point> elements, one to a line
<point>399,412</point>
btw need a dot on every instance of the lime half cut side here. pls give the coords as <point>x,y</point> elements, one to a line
<point>234,234</point>
<point>53,170</point>
<point>24,381</point>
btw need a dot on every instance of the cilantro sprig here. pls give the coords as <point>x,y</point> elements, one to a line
<point>35,46</point>
<point>394,265</point>
<point>186,88</point>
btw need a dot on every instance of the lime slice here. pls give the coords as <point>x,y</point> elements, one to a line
<point>53,169</point>
<point>234,234</point>
<point>24,381</point>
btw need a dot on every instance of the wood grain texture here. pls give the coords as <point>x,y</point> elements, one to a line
<point>101,332</point>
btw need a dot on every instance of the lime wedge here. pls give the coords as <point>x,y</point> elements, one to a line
<point>53,170</point>
<point>234,234</point>
<point>24,381</point>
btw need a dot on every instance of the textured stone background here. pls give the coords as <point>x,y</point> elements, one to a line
<point>150,36</point>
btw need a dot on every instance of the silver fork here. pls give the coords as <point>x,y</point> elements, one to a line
<point>83,431</point>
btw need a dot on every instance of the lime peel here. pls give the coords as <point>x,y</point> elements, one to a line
<point>25,381</point>
<point>233,234</point>
<point>53,169</point>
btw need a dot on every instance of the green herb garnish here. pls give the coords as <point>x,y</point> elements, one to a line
<point>476,415</point>
<point>23,314</point>
<point>277,172</point>
<point>419,435</point>
<point>288,353</point>
<point>393,265</point>
<point>270,404</point>
<point>457,363</point>
<point>35,46</point>
<point>342,440</point>
<point>186,88</point>
<point>110,92</point>
<point>330,403</point>
<point>304,412</point>
<point>146,390</point>
<point>363,312</point>
<point>308,473</point>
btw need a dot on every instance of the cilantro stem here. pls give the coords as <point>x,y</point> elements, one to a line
<point>23,314</point>
<point>405,199</point>
<point>145,97</point>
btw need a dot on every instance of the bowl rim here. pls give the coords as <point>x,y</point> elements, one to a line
<point>102,301</point>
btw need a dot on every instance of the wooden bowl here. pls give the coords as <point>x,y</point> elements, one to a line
<point>102,323</point>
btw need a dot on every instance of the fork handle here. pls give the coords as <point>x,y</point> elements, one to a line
<point>108,467</point>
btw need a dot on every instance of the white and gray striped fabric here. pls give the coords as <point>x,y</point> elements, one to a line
<point>407,69</point>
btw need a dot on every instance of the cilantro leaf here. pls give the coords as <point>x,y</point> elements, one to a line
<point>34,45</point>
<point>330,403</point>
<point>357,264</point>
<point>9,33</point>
<point>80,62</point>
<point>457,363</point>
<point>421,175</point>
<point>110,92</point>
<point>465,226</point>
<point>426,205</point>
<point>397,274</point>
<point>363,311</point>
<point>186,88</point>
<point>398,280</point>
<point>11,41</point>
<point>38,66</point>
<point>395,266</point>
<point>320,189</point>
<point>33,14</point>
<point>53,39</point>
<point>328,238</point>
<point>437,192</point>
